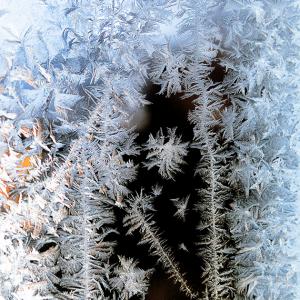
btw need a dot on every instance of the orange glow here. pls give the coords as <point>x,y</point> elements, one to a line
<point>6,184</point>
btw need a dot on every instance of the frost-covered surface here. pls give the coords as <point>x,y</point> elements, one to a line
<point>72,73</point>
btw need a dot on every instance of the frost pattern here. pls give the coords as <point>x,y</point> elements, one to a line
<point>69,84</point>
<point>129,279</point>
<point>166,153</point>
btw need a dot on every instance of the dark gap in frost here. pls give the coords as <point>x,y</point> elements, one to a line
<point>47,246</point>
<point>180,237</point>
<point>162,113</point>
<point>218,73</point>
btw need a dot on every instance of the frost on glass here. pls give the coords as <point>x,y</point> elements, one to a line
<point>74,83</point>
<point>166,153</point>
